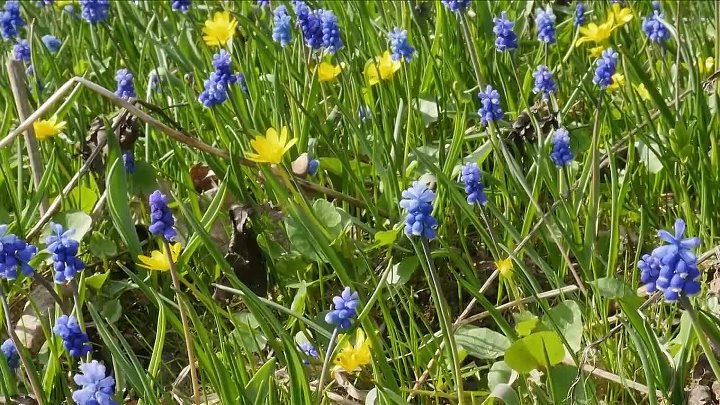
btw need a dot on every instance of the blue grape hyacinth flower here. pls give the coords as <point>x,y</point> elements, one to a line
<point>214,92</point>
<point>456,6</point>
<point>399,45</point>
<point>650,267</point>
<point>545,20</point>
<point>96,387</point>
<point>505,37</point>
<point>331,36</point>
<point>216,86</point>
<point>561,154</point>
<point>125,87</point>
<point>281,26</point>
<point>309,350</point>
<point>129,161</point>
<point>579,15</point>
<point>14,253</point>
<point>544,82</point>
<point>345,309</point>
<point>313,166</point>
<point>653,28</point>
<point>162,221</point>
<point>180,5</point>
<point>74,339</point>
<point>678,274</point>
<point>64,251</point>
<point>11,354</point>
<point>606,66</point>
<point>21,51</point>
<point>51,43</point>
<point>309,23</point>
<point>94,11</point>
<point>472,179</point>
<point>223,68</point>
<point>490,110</point>
<point>417,200</point>
<point>10,19</point>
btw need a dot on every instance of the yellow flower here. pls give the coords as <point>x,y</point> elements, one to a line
<point>505,267</point>
<point>220,30</point>
<point>352,358</point>
<point>45,129</point>
<point>596,33</point>
<point>596,52</point>
<point>63,3</point>
<point>642,91</point>
<point>706,66</point>
<point>621,15</point>
<point>328,72</point>
<point>271,147</point>
<point>617,81</point>
<point>382,68</point>
<point>158,261</point>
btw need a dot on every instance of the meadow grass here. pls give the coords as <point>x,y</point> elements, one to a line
<point>531,298</point>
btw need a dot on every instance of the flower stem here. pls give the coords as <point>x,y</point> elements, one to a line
<point>471,48</point>
<point>702,338</point>
<point>78,310</point>
<point>326,363</point>
<point>186,327</point>
<point>34,383</point>
<point>444,315</point>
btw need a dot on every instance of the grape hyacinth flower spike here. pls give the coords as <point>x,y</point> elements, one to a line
<point>96,387</point>
<point>345,309</point>
<point>505,37</point>
<point>74,339</point>
<point>490,110</point>
<point>471,178</point>
<point>11,354</point>
<point>14,253</point>
<point>561,154</point>
<point>64,250</point>
<point>162,221</point>
<point>418,202</point>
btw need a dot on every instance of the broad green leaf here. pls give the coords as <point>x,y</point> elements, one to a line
<point>101,246</point>
<point>77,220</point>
<point>500,373</point>
<point>429,110</point>
<point>84,198</point>
<point>563,377</point>
<point>529,353</point>
<point>401,272</point>
<point>504,393</point>
<point>566,316</point>
<point>386,238</point>
<point>609,287</point>
<point>483,343</point>
<point>96,281</point>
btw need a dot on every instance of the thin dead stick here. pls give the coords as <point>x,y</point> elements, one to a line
<point>606,375</point>
<point>185,324</point>
<point>16,74</point>
<point>526,300</point>
<point>170,132</point>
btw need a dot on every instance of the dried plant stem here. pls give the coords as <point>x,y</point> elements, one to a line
<point>185,325</point>
<point>16,74</point>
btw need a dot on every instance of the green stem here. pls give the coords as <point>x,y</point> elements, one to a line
<point>444,315</point>
<point>326,363</point>
<point>32,377</point>
<point>702,337</point>
<point>471,48</point>
<point>185,325</point>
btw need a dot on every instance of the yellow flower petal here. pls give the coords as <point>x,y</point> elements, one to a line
<point>505,267</point>
<point>220,30</point>
<point>353,357</point>
<point>621,15</point>
<point>596,52</point>
<point>45,129</point>
<point>618,80</point>
<point>158,261</point>
<point>270,148</point>
<point>642,91</point>
<point>328,72</point>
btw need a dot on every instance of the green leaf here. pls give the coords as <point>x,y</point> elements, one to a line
<point>482,343</point>
<point>562,378</point>
<point>119,208</point>
<point>529,353</point>
<point>386,238</point>
<point>609,287</point>
<point>567,317</point>
<point>500,373</point>
<point>300,240</point>
<point>328,216</point>
<point>111,310</point>
<point>77,220</point>
<point>144,178</point>
<point>84,198</point>
<point>401,272</point>
<point>429,110</point>
<point>504,393</point>
<point>96,281</point>
<point>526,323</point>
<point>101,246</point>
<point>257,389</point>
